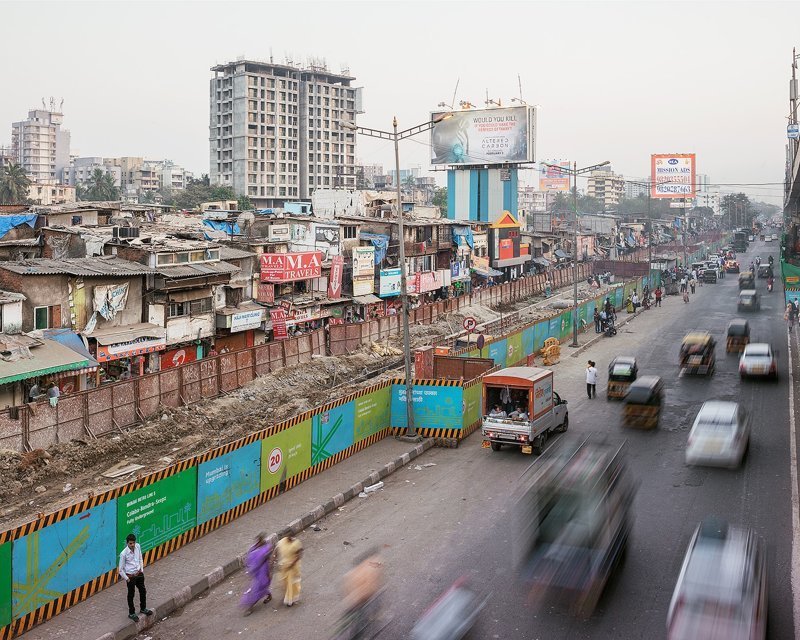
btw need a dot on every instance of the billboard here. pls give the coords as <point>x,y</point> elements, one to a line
<point>672,175</point>
<point>227,481</point>
<point>551,179</point>
<point>288,267</point>
<point>335,279</point>
<point>363,261</point>
<point>285,455</point>
<point>484,136</point>
<point>390,283</point>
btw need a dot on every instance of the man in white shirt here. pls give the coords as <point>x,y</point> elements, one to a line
<point>591,380</point>
<point>131,570</point>
<point>497,412</point>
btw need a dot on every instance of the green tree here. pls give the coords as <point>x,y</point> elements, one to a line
<point>14,183</point>
<point>440,200</point>
<point>738,210</point>
<point>244,203</point>
<point>147,197</point>
<point>100,186</point>
<point>198,191</point>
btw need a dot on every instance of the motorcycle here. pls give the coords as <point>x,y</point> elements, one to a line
<point>769,285</point>
<point>610,330</point>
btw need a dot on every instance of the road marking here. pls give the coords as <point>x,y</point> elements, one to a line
<point>795,499</point>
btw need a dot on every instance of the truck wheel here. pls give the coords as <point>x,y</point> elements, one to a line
<point>564,425</point>
<point>538,444</point>
<point>496,446</point>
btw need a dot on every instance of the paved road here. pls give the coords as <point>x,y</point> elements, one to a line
<point>439,522</point>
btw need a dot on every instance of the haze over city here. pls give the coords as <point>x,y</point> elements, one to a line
<point>613,80</point>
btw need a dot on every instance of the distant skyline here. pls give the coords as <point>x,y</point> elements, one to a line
<point>613,80</point>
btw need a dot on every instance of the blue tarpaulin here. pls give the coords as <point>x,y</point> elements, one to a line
<point>380,242</point>
<point>70,339</point>
<point>221,225</point>
<point>463,232</point>
<point>7,223</point>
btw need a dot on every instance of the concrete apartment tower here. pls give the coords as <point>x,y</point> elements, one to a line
<point>40,145</point>
<point>275,133</point>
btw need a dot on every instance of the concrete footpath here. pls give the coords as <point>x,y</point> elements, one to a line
<point>193,569</point>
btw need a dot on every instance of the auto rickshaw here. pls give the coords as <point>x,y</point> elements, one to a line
<point>697,353</point>
<point>749,300</point>
<point>738,335</point>
<point>622,371</point>
<point>746,280</point>
<point>643,403</point>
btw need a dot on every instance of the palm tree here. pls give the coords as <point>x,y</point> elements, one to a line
<point>100,186</point>
<point>14,183</point>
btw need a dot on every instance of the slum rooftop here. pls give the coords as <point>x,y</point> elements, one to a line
<point>86,267</point>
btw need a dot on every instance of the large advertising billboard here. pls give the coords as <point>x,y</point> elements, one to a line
<point>363,261</point>
<point>672,175</point>
<point>288,267</point>
<point>551,179</point>
<point>484,136</point>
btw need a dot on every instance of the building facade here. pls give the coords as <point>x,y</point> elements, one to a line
<point>275,130</point>
<point>636,187</point>
<point>606,186</point>
<point>40,145</point>
<point>80,170</point>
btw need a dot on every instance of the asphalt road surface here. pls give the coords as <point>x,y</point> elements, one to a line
<point>437,523</point>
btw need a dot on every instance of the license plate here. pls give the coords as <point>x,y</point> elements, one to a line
<point>759,369</point>
<point>695,360</point>
<point>527,449</point>
<point>485,444</point>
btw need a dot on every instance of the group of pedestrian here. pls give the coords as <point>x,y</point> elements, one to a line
<point>791,314</point>
<point>52,391</point>
<point>259,562</point>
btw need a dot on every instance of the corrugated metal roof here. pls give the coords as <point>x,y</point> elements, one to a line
<point>232,253</point>
<point>87,267</point>
<point>197,270</point>
<point>9,296</point>
<point>51,357</point>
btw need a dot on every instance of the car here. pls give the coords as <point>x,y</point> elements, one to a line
<point>750,238</point>
<point>721,592</point>
<point>709,275</point>
<point>774,236</point>
<point>768,238</point>
<point>731,266</point>
<point>763,271</point>
<point>758,359</point>
<point>749,300</point>
<point>719,435</point>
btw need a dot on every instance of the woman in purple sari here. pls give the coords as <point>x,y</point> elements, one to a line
<point>258,566</point>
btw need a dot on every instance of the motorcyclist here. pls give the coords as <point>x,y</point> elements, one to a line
<point>770,283</point>
<point>758,261</point>
<point>363,586</point>
<point>771,260</point>
<point>752,267</point>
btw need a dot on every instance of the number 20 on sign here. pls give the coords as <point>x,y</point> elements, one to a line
<point>275,459</point>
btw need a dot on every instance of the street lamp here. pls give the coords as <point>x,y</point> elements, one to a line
<point>396,136</point>
<point>575,172</point>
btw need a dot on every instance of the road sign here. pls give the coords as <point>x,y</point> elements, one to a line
<point>481,341</point>
<point>793,131</point>
<point>470,323</point>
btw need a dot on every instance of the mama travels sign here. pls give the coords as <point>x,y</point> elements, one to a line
<point>288,267</point>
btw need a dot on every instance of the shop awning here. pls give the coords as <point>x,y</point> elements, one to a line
<point>542,261</point>
<point>127,333</point>
<point>49,358</point>
<point>367,299</point>
<point>487,273</point>
<point>510,262</point>
<point>562,254</point>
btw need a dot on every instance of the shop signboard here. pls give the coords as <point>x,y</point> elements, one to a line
<point>363,261</point>
<point>278,324</point>
<point>289,267</point>
<point>177,357</point>
<point>245,320</point>
<point>137,347</point>
<point>389,283</point>
<point>335,279</point>
<point>266,292</point>
<point>425,281</point>
<point>363,286</point>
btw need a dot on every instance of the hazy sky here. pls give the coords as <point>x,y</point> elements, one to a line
<point>614,80</point>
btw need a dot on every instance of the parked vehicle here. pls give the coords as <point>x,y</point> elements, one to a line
<point>758,359</point>
<point>719,436</point>
<point>572,521</point>
<point>775,236</point>
<point>721,593</point>
<point>738,335</point>
<point>621,372</point>
<point>643,403</point>
<point>529,389</point>
<point>731,266</point>
<point>746,280</point>
<point>749,300</point>
<point>697,355</point>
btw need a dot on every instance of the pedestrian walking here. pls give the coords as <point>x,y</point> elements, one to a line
<point>684,282</point>
<point>692,284</point>
<point>597,323</point>
<point>131,569</point>
<point>685,296</point>
<point>591,380</point>
<point>790,315</point>
<point>658,294</point>
<point>290,550</point>
<point>258,562</point>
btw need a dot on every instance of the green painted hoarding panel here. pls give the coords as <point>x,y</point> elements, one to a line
<point>285,454</point>
<point>160,511</point>
<point>472,404</point>
<point>373,412</point>
<point>5,584</point>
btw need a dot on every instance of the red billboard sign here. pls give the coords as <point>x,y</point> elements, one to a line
<point>288,267</point>
<point>278,324</point>
<point>335,280</point>
<point>266,293</point>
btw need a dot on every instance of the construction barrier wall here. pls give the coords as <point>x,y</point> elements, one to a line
<point>59,559</point>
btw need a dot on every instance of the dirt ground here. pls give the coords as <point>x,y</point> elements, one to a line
<point>41,482</point>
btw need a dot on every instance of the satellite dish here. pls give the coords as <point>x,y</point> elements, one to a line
<point>245,218</point>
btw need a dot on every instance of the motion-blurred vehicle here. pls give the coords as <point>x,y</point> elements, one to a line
<point>746,280</point>
<point>738,335</point>
<point>643,403</point>
<point>528,388</point>
<point>775,236</point>
<point>621,372</point>
<point>451,616</point>
<point>758,359</point>
<point>721,593</point>
<point>763,271</point>
<point>750,238</point>
<point>698,353</point>
<point>572,521</point>
<point>749,300</point>
<point>731,266</point>
<point>719,436</point>
<point>709,276</point>
<point>768,239</point>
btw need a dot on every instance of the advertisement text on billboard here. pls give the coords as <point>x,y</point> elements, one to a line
<point>287,267</point>
<point>672,175</point>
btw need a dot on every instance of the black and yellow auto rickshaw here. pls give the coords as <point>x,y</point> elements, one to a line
<point>738,335</point>
<point>621,372</point>
<point>698,353</point>
<point>643,403</point>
